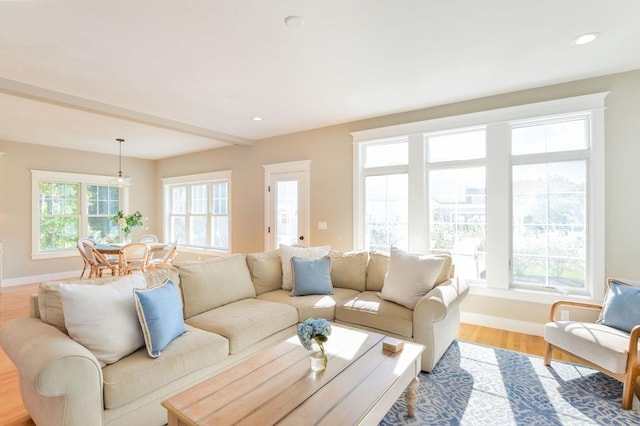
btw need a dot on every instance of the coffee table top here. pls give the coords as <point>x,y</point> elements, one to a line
<point>278,386</point>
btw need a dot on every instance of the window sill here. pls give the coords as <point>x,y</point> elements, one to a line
<point>55,254</point>
<point>546,297</point>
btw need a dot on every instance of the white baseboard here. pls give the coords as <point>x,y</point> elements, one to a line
<point>502,323</point>
<point>11,282</point>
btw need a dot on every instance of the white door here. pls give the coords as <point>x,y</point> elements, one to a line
<point>287,204</point>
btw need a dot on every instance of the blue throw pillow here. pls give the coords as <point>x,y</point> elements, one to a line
<point>621,309</point>
<point>160,316</point>
<point>311,276</point>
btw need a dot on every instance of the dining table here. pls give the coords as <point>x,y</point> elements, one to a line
<point>114,249</point>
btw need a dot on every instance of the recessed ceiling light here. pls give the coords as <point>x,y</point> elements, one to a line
<point>294,21</point>
<point>256,118</point>
<point>585,38</point>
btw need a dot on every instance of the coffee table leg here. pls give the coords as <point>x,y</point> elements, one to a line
<point>411,397</point>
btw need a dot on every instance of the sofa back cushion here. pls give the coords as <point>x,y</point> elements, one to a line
<point>376,270</point>
<point>349,270</point>
<point>212,283</point>
<point>265,270</point>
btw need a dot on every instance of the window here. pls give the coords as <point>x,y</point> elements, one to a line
<point>516,196</point>
<point>68,206</point>
<point>386,194</point>
<point>197,210</point>
<point>549,203</point>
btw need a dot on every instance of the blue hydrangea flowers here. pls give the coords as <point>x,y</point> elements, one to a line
<point>314,330</point>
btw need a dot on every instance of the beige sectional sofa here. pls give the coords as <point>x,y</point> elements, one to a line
<point>233,307</point>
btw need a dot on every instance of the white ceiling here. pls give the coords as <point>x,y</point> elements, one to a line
<point>181,76</point>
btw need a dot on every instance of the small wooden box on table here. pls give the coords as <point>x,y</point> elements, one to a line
<point>276,386</point>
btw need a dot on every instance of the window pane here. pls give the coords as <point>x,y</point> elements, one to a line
<point>457,146</point>
<point>179,200</point>
<point>386,212</point>
<point>178,229</point>
<point>102,229</point>
<point>549,224</point>
<point>386,154</point>
<point>287,212</point>
<point>458,218</point>
<point>58,232</point>
<point>550,137</point>
<point>220,232</point>
<point>198,199</point>
<point>220,200</point>
<point>198,231</point>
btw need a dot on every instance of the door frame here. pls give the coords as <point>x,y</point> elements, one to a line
<point>302,166</point>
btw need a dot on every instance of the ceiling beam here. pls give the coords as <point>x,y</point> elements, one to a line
<point>28,91</point>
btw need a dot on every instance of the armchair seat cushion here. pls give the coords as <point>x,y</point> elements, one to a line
<point>369,310</point>
<point>602,345</point>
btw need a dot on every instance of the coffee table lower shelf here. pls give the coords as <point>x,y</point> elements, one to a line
<point>276,386</point>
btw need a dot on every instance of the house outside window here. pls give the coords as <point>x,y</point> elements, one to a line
<point>67,206</point>
<point>515,196</point>
<point>197,211</point>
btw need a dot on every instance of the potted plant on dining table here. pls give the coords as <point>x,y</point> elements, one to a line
<point>127,223</point>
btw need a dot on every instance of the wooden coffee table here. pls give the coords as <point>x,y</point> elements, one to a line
<point>359,386</point>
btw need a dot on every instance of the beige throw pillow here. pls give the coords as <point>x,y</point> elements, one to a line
<point>410,276</point>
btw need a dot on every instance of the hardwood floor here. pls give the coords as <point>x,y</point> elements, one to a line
<point>14,303</point>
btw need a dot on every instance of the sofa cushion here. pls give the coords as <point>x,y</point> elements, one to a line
<point>246,321</point>
<point>137,374</point>
<point>376,270</point>
<point>207,285</point>
<point>312,306</point>
<point>265,270</point>
<point>160,316</point>
<point>103,318</point>
<point>287,252</point>
<point>349,270</point>
<point>369,310</point>
<point>311,276</point>
<point>410,276</point>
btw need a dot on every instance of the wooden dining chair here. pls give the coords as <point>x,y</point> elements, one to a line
<point>134,257</point>
<point>167,259</point>
<point>85,254</point>
<point>98,262</point>
<point>148,238</point>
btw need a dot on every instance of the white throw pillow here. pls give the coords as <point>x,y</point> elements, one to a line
<point>409,277</point>
<point>103,318</point>
<point>287,252</point>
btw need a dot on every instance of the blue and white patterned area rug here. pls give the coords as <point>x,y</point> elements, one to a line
<point>480,385</point>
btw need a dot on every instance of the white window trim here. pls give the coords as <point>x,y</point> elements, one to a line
<point>190,180</point>
<point>499,243</point>
<point>38,176</point>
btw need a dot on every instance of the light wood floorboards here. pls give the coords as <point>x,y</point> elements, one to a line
<point>14,303</point>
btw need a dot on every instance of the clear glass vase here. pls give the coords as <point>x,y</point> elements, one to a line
<point>318,358</point>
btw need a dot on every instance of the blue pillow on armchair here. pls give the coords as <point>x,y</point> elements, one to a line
<point>311,276</point>
<point>621,309</point>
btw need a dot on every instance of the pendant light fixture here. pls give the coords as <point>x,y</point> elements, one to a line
<point>121,179</point>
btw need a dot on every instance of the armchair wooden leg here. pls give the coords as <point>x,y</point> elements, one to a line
<point>547,354</point>
<point>627,391</point>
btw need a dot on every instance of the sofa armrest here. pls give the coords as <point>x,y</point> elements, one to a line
<point>61,379</point>
<point>434,305</point>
